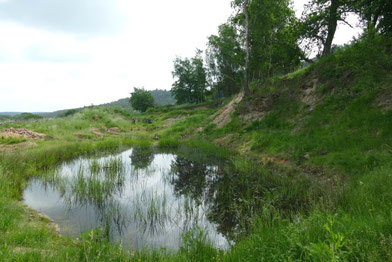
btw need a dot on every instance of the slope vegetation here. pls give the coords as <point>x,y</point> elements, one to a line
<point>332,121</point>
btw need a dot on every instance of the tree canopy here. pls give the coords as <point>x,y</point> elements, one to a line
<point>376,15</point>
<point>191,80</point>
<point>225,61</point>
<point>263,39</point>
<point>141,99</point>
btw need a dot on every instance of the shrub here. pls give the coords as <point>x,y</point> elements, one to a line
<point>141,100</point>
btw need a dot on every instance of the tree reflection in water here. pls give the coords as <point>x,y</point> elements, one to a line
<point>192,179</point>
<point>142,157</point>
<point>206,184</point>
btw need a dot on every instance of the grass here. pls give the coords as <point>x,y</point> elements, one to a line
<point>11,140</point>
<point>345,138</point>
<point>308,181</point>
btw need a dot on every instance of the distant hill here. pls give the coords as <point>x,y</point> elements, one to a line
<point>9,113</point>
<point>12,114</point>
<point>161,97</point>
<point>124,103</point>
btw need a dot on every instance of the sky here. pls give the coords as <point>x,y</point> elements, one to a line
<point>57,54</point>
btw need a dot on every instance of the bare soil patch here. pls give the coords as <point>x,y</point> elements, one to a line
<point>37,219</point>
<point>17,147</point>
<point>114,131</point>
<point>384,101</point>
<point>21,132</point>
<point>224,115</point>
<point>171,121</point>
<point>310,96</point>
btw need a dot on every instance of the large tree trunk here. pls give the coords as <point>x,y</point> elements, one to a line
<point>332,26</point>
<point>247,47</point>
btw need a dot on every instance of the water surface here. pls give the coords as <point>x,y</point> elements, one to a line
<point>141,199</point>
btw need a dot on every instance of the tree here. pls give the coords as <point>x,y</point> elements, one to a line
<point>141,100</point>
<point>376,15</point>
<point>320,21</point>
<point>190,85</point>
<point>272,37</point>
<point>225,61</point>
<point>28,116</point>
<point>247,47</point>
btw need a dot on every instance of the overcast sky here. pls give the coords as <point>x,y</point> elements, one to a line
<point>58,54</point>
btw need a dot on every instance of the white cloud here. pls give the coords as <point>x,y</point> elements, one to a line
<point>84,17</point>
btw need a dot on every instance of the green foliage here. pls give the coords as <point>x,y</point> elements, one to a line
<point>27,116</point>
<point>319,23</point>
<point>168,143</point>
<point>4,117</point>
<point>375,15</point>
<point>141,100</point>
<point>161,98</point>
<point>11,140</point>
<point>69,112</point>
<point>273,38</point>
<point>191,80</point>
<point>225,61</point>
<point>196,246</point>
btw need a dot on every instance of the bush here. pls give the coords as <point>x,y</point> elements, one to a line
<point>69,112</point>
<point>141,100</point>
<point>28,116</point>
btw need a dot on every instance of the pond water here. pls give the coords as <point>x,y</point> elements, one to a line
<point>139,198</point>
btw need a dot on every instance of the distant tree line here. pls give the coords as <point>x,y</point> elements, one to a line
<point>264,38</point>
<point>20,116</point>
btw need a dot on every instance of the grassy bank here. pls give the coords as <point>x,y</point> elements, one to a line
<point>309,156</point>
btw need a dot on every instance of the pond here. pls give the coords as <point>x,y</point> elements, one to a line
<point>139,198</point>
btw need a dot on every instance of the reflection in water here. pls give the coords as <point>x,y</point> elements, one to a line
<point>193,179</point>
<point>138,198</point>
<point>142,157</point>
<point>211,186</point>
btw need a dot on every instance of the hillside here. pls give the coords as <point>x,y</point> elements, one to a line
<point>327,131</point>
<point>161,97</point>
<point>329,113</point>
<point>333,121</point>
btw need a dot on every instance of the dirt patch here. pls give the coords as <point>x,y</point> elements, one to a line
<point>86,134</point>
<point>36,218</point>
<point>16,147</point>
<point>384,101</point>
<point>224,140</point>
<point>113,131</point>
<point>310,96</point>
<point>224,115</point>
<point>272,159</point>
<point>199,130</point>
<point>253,116</point>
<point>96,132</point>
<point>21,132</point>
<point>171,121</point>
